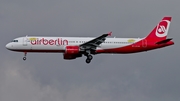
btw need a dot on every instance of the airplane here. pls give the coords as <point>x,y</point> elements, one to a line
<point>75,47</point>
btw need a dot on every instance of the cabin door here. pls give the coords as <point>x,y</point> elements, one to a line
<point>25,41</point>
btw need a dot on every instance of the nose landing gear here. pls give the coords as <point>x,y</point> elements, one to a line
<point>24,58</point>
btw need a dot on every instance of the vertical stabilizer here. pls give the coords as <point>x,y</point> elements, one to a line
<point>160,32</point>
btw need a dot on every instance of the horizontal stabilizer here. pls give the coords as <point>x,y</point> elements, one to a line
<point>164,41</point>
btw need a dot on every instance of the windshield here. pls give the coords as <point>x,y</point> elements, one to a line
<point>14,41</point>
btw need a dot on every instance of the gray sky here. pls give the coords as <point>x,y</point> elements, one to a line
<point>148,76</point>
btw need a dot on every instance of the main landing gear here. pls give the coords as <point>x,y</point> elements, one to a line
<point>89,58</point>
<point>24,58</point>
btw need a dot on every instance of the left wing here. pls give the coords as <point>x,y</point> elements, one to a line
<point>92,44</point>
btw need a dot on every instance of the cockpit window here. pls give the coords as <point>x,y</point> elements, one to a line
<point>14,41</point>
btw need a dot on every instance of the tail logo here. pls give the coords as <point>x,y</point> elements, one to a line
<point>162,28</point>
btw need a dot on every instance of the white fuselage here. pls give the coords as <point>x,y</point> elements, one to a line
<point>59,43</point>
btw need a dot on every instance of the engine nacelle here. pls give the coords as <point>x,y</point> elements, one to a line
<point>71,56</point>
<point>72,50</point>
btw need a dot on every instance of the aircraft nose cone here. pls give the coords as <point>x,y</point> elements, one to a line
<point>8,46</point>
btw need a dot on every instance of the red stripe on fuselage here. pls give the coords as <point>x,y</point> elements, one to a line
<point>45,51</point>
<point>136,47</point>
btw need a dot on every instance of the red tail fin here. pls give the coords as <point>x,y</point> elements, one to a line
<point>161,30</point>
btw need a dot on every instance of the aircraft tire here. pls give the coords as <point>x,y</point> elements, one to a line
<point>90,57</point>
<point>88,61</point>
<point>24,58</point>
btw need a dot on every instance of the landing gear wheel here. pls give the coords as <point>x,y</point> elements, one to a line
<point>88,61</point>
<point>90,57</point>
<point>24,58</point>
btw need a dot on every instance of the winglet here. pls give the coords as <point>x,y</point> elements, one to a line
<point>110,33</point>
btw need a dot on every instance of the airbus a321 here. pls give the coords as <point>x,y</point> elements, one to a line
<point>75,47</point>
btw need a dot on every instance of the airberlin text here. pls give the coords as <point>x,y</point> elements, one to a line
<point>44,41</point>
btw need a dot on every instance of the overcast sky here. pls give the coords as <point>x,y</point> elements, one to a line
<point>147,76</point>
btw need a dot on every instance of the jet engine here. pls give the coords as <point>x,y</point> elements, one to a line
<point>72,50</point>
